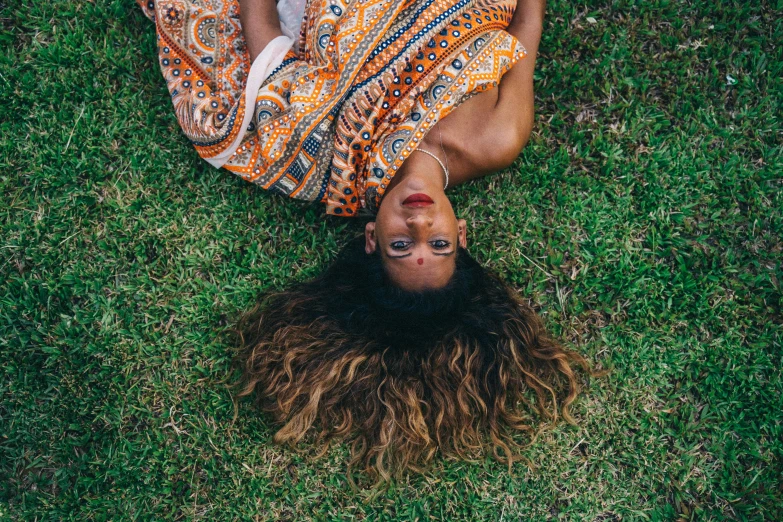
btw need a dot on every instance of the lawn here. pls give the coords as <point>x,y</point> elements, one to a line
<point>644,221</point>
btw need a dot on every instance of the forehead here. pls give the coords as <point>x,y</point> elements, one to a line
<point>433,272</point>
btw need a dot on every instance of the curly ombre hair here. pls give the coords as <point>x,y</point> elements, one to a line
<point>402,375</point>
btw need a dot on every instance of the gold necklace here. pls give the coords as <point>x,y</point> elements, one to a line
<point>445,170</point>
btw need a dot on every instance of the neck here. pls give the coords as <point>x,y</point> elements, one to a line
<point>421,170</point>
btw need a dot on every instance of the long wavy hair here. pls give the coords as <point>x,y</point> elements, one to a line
<point>400,375</point>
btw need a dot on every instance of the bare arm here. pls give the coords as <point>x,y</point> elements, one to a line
<point>515,91</point>
<point>503,129</point>
<point>260,24</point>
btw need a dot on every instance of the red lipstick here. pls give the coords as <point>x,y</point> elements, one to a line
<point>418,200</point>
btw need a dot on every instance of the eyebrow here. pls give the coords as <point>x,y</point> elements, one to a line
<point>410,254</point>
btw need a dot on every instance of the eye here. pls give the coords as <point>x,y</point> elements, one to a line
<point>398,245</point>
<point>440,244</point>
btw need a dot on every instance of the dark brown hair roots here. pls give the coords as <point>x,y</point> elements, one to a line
<point>401,376</point>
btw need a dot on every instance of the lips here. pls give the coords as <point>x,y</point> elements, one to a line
<point>418,200</point>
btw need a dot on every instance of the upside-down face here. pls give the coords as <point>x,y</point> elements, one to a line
<point>417,233</point>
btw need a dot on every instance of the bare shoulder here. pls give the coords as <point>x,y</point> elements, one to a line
<point>501,141</point>
<point>488,135</point>
<point>486,132</point>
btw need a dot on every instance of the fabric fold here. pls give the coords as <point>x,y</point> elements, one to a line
<point>332,116</point>
<point>267,61</point>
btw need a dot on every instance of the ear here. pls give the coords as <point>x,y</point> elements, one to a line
<point>370,241</point>
<point>462,233</point>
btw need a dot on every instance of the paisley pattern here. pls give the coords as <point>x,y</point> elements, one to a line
<point>336,120</point>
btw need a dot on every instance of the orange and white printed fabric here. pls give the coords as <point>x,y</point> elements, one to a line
<point>333,121</point>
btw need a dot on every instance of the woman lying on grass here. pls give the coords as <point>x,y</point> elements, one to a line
<point>405,345</point>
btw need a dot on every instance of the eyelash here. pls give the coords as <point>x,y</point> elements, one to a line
<point>402,245</point>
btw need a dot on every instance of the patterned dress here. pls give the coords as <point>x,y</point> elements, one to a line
<point>336,119</point>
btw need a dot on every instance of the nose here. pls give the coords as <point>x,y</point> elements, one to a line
<point>419,220</point>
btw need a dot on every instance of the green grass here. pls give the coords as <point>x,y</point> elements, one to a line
<point>644,220</point>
